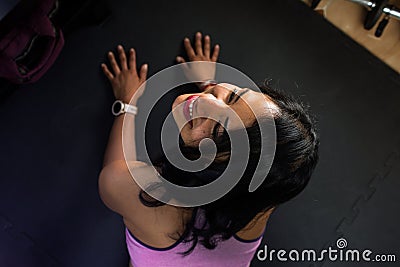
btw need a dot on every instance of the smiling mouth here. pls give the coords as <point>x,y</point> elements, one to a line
<point>188,109</point>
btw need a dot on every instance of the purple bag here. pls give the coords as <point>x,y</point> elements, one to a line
<point>29,41</point>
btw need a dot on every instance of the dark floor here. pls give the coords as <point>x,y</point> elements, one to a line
<point>54,132</point>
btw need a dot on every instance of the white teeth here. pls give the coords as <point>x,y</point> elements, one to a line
<point>191,109</point>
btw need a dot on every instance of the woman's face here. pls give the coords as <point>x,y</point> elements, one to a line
<point>211,109</point>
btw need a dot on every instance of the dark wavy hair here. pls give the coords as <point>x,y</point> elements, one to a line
<point>296,156</point>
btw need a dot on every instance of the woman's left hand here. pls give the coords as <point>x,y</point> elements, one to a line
<point>197,53</point>
<point>124,77</point>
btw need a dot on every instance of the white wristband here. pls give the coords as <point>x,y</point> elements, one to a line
<point>120,107</point>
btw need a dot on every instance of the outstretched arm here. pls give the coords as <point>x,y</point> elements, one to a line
<point>117,189</point>
<point>125,81</point>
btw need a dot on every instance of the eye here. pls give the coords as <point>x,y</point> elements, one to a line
<point>232,95</point>
<point>216,132</point>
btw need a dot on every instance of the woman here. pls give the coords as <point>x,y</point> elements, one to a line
<point>227,231</point>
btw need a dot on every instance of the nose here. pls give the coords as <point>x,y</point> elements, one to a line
<point>208,105</point>
<point>206,111</point>
<point>220,91</point>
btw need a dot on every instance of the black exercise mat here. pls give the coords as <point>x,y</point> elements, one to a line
<point>53,133</point>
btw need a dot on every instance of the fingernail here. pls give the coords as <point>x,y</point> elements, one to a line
<point>145,66</point>
<point>119,46</point>
<point>186,39</point>
<point>198,33</point>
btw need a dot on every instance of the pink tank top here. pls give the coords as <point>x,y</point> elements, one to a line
<point>232,252</point>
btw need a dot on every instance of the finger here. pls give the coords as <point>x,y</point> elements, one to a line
<point>122,57</point>
<point>180,59</point>
<point>132,60</point>
<point>207,46</point>
<point>198,46</point>
<point>215,53</point>
<point>189,48</point>
<point>107,72</point>
<point>143,72</point>
<point>113,62</point>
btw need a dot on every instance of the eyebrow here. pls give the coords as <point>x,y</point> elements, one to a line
<point>239,95</point>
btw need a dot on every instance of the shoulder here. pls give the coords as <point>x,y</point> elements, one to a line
<point>119,190</point>
<point>116,185</point>
<point>120,193</point>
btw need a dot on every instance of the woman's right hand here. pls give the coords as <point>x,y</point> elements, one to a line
<point>199,72</point>
<point>125,78</point>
